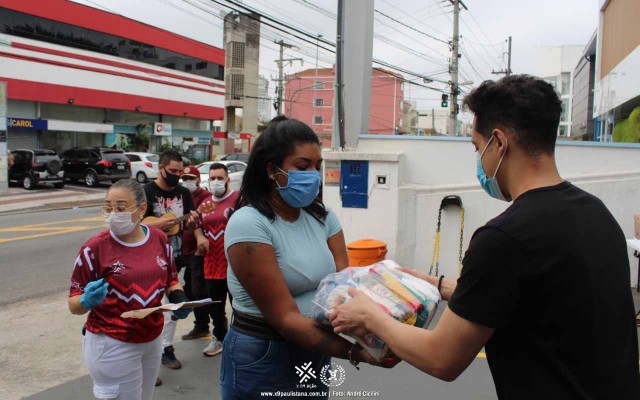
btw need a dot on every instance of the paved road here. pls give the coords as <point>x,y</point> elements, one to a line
<point>38,250</point>
<point>40,351</point>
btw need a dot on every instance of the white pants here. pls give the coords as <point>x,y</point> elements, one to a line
<point>120,370</point>
<point>169,328</point>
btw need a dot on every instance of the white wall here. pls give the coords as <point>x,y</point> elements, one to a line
<point>619,86</point>
<point>422,170</point>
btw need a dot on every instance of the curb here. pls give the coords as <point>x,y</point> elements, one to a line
<point>53,207</point>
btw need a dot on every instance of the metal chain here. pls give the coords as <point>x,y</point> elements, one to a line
<point>461,240</point>
<point>435,259</point>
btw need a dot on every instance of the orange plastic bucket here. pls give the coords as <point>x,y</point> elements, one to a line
<point>366,252</point>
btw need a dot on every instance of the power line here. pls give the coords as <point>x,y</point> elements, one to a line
<point>310,36</point>
<point>412,28</point>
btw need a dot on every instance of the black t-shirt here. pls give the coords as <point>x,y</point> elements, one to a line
<point>551,275</point>
<point>177,201</point>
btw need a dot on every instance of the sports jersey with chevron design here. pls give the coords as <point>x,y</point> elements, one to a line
<point>137,274</point>
<point>214,224</point>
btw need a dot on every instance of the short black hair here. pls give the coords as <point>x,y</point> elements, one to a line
<point>527,106</point>
<point>219,166</point>
<point>277,142</point>
<point>168,156</point>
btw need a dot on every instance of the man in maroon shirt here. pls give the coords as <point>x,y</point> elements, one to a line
<point>215,260</point>
<point>194,246</point>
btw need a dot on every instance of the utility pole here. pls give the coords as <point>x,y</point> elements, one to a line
<point>338,139</point>
<point>452,122</point>
<point>315,83</point>
<point>506,72</point>
<point>280,63</point>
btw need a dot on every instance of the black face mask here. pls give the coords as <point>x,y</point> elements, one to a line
<point>170,179</point>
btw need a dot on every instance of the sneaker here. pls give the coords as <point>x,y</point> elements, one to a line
<point>196,333</point>
<point>214,347</point>
<point>158,382</point>
<point>169,359</point>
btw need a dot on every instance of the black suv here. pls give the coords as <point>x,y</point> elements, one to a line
<point>95,164</point>
<point>32,167</point>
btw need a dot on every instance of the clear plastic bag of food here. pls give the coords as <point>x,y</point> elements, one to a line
<point>405,298</point>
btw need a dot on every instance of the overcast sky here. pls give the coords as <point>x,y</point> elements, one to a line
<point>484,29</point>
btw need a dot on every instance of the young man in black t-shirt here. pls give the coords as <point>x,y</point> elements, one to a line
<point>545,286</point>
<point>164,196</point>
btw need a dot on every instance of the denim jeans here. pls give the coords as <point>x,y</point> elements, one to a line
<point>251,365</point>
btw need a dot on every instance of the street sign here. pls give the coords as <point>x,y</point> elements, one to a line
<point>161,129</point>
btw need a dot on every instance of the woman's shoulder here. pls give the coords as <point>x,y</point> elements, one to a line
<point>156,234</point>
<point>98,239</point>
<point>248,213</point>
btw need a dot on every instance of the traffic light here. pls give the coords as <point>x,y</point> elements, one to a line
<point>445,102</point>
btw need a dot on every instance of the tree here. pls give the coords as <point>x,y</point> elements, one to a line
<point>628,130</point>
<point>139,142</point>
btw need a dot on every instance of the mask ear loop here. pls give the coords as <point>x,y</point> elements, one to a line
<point>501,158</point>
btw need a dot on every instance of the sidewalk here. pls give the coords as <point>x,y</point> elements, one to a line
<point>18,199</point>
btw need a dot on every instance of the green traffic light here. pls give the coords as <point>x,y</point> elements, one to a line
<point>445,104</point>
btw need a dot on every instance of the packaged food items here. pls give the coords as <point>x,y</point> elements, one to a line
<point>404,297</point>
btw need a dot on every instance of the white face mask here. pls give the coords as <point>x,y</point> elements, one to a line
<point>218,188</point>
<point>191,185</point>
<point>120,223</point>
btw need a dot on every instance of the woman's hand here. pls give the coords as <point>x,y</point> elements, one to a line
<point>351,317</point>
<point>363,356</point>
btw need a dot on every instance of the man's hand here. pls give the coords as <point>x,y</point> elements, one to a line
<point>203,246</point>
<point>165,224</point>
<point>448,285</point>
<point>191,224</point>
<point>351,317</point>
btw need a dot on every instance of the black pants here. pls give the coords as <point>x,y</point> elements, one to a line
<point>217,290</point>
<point>195,289</point>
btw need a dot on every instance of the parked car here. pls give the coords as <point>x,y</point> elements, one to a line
<point>185,161</point>
<point>244,157</point>
<point>95,164</point>
<point>144,166</point>
<point>33,167</point>
<point>236,172</point>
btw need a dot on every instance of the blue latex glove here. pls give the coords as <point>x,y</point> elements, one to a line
<point>182,313</point>
<point>94,293</point>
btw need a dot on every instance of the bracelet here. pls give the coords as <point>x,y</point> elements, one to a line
<point>440,282</point>
<point>351,360</point>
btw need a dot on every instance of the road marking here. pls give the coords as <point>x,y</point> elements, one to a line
<point>64,221</point>
<point>58,232</point>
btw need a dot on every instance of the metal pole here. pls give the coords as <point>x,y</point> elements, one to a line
<point>339,83</point>
<point>433,122</point>
<point>315,83</point>
<point>280,77</point>
<point>394,105</point>
<point>509,58</point>
<point>453,117</point>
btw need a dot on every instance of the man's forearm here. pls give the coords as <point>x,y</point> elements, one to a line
<point>411,344</point>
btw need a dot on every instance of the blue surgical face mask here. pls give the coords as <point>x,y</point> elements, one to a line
<point>302,187</point>
<point>490,185</point>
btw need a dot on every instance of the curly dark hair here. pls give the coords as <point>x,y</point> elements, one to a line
<point>526,106</point>
<point>277,142</point>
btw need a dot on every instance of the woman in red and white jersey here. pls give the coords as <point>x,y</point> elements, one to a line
<point>126,267</point>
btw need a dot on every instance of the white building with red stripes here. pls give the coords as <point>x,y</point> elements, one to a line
<point>80,76</point>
